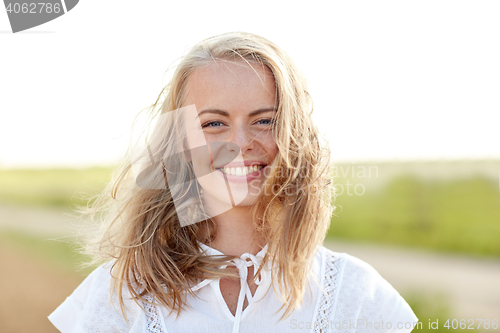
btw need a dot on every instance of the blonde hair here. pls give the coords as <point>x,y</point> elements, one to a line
<point>139,227</point>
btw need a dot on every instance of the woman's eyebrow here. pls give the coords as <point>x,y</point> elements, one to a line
<point>256,112</point>
<point>226,114</point>
<point>216,111</point>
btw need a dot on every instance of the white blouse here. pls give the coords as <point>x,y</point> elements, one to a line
<point>345,294</point>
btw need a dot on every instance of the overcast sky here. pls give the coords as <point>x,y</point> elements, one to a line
<point>390,79</point>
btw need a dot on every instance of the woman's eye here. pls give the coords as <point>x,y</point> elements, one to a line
<point>265,121</point>
<point>213,124</point>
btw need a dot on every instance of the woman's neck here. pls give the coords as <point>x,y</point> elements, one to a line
<point>234,233</point>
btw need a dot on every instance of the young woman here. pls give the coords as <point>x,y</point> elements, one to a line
<point>215,223</point>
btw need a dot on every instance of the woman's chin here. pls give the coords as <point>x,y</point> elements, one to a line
<point>249,200</point>
<point>216,204</point>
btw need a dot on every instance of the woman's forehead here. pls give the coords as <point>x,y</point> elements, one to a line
<point>230,82</point>
<point>231,70</point>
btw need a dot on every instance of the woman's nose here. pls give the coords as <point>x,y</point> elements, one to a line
<point>243,138</point>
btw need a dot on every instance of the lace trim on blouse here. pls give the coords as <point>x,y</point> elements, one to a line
<point>153,319</point>
<point>329,284</point>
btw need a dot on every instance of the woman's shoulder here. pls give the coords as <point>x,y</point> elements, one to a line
<point>340,266</point>
<point>94,307</point>
<point>350,271</point>
<point>356,292</point>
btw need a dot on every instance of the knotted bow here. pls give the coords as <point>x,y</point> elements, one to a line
<point>243,264</point>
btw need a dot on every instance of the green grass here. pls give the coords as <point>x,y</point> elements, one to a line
<point>461,215</point>
<point>61,188</point>
<point>434,313</point>
<point>61,254</point>
<point>429,308</point>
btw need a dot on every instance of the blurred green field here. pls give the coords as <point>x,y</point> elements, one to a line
<point>62,189</point>
<point>58,188</point>
<point>441,212</point>
<point>458,214</point>
<point>429,309</point>
<point>60,254</point>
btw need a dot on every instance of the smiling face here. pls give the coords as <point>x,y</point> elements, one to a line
<point>236,107</point>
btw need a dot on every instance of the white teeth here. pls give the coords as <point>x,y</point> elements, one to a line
<point>238,171</point>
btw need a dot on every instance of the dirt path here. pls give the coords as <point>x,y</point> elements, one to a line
<point>30,291</point>
<point>44,222</point>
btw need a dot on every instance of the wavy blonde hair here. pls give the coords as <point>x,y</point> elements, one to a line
<point>139,227</point>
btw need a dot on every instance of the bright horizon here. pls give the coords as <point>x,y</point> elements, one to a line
<point>390,80</point>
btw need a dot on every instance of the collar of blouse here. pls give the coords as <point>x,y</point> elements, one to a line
<point>242,263</point>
